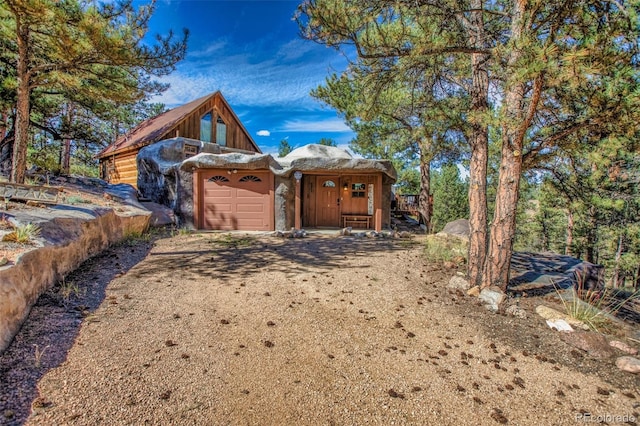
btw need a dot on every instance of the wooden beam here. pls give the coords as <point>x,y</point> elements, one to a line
<point>377,202</point>
<point>197,219</point>
<point>297,212</point>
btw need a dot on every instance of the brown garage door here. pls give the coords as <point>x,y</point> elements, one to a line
<point>236,201</point>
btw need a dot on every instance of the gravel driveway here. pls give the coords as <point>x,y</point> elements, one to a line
<point>216,328</point>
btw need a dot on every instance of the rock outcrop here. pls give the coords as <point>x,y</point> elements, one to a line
<point>68,236</point>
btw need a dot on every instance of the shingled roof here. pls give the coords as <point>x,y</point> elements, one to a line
<point>153,129</point>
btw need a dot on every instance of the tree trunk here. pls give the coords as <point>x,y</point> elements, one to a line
<point>6,156</point>
<point>569,241</point>
<point>617,280</point>
<point>503,226</point>
<point>477,207</point>
<point>4,118</point>
<point>21,135</point>
<point>545,233</point>
<point>479,142</point>
<point>65,155</point>
<point>65,167</point>
<point>591,237</point>
<point>424,198</point>
<point>516,120</point>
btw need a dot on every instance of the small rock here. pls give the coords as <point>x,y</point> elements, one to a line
<point>551,314</point>
<point>623,347</point>
<point>457,282</point>
<point>474,291</point>
<point>298,233</point>
<point>628,364</point>
<point>394,394</point>
<point>449,264</point>
<point>559,325</point>
<point>3,261</point>
<point>345,232</point>
<point>593,343</point>
<point>492,297</point>
<point>516,311</point>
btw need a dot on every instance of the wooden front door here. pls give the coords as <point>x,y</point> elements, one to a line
<point>328,201</point>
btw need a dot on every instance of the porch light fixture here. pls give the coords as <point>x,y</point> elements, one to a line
<point>346,186</point>
<point>297,174</point>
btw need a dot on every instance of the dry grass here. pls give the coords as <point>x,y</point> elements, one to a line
<point>22,234</point>
<point>445,249</point>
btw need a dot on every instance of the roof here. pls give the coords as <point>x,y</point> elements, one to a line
<point>310,158</point>
<point>151,130</point>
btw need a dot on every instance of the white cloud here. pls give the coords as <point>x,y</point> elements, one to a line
<point>332,125</point>
<point>250,78</point>
<point>263,133</point>
<point>214,48</point>
<point>295,49</point>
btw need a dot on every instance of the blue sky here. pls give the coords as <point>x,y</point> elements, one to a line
<point>252,52</point>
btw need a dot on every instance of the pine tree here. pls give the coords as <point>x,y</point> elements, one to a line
<point>284,148</point>
<point>327,142</point>
<point>449,196</point>
<point>533,54</point>
<point>396,118</point>
<point>90,53</point>
<point>421,39</point>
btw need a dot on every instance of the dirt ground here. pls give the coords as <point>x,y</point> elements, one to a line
<point>216,328</point>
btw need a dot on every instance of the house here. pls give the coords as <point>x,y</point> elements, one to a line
<point>199,160</point>
<point>314,186</point>
<point>208,119</point>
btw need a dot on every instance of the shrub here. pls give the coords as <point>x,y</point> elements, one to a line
<point>22,233</point>
<point>597,308</point>
<point>441,249</point>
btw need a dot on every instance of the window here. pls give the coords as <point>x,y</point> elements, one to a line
<point>250,178</point>
<point>329,184</point>
<point>358,190</point>
<point>189,150</point>
<point>218,179</point>
<point>205,127</point>
<point>221,132</point>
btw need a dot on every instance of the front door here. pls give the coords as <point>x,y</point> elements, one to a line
<point>328,201</point>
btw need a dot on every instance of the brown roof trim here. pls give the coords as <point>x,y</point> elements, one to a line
<point>149,131</point>
<point>244,129</point>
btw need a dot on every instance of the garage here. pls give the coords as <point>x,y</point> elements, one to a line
<point>235,200</point>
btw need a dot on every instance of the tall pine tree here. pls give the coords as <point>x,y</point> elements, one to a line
<point>90,53</point>
<point>527,52</point>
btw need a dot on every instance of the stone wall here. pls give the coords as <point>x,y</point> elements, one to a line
<point>66,242</point>
<point>284,201</point>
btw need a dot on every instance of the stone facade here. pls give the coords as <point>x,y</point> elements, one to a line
<point>166,177</point>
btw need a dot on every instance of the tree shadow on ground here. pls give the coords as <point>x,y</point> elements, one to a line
<point>240,256</point>
<point>53,324</point>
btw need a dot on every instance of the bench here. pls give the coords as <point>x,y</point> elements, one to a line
<point>356,221</point>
